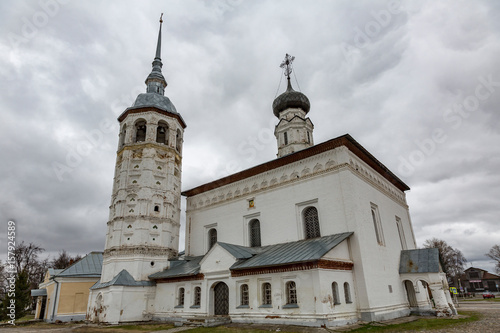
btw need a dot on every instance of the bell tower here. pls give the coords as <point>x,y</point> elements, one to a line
<point>294,131</point>
<point>144,215</point>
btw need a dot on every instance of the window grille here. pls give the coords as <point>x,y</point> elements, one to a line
<point>140,131</point>
<point>335,293</point>
<point>266,294</point>
<point>197,296</point>
<point>311,223</point>
<point>181,297</point>
<point>254,233</point>
<point>347,293</point>
<point>212,237</point>
<point>291,293</point>
<point>244,294</point>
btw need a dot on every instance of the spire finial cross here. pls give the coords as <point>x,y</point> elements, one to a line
<point>287,65</point>
<point>161,18</point>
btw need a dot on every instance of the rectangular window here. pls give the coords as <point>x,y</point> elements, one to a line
<point>401,232</point>
<point>285,135</point>
<point>377,225</point>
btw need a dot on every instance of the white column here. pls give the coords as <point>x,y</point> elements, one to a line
<point>440,300</point>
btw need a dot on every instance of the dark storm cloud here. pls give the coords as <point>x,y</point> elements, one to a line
<point>389,73</point>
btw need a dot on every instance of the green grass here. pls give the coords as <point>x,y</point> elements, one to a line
<point>480,299</point>
<point>421,324</point>
<point>145,327</point>
<point>222,329</point>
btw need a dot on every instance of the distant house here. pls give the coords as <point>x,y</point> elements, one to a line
<point>64,293</point>
<point>479,280</point>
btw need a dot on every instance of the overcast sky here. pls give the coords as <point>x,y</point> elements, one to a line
<point>415,83</point>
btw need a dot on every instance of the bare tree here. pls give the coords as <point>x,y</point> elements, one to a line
<point>495,255</point>
<point>64,260</point>
<point>452,260</point>
<point>26,259</point>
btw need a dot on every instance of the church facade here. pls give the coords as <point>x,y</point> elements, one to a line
<point>321,235</point>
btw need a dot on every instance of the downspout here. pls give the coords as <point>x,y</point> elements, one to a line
<point>56,300</point>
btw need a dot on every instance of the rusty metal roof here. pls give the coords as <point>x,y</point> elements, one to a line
<point>419,261</point>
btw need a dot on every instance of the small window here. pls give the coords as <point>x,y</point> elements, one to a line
<point>266,294</point>
<point>140,131</point>
<point>178,140</point>
<point>335,293</point>
<point>123,134</point>
<point>197,296</point>
<point>244,294</point>
<point>401,232</point>
<point>285,137</point>
<point>212,237</point>
<point>157,209</point>
<point>311,223</point>
<point>347,293</point>
<point>181,297</point>
<point>308,138</point>
<point>291,293</point>
<point>162,133</point>
<point>254,227</point>
<point>377,225</point>
<point>152,262</point>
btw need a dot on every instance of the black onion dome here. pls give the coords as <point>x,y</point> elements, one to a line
<point>290,99</point>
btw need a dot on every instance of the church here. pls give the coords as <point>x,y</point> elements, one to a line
<point>319,236</point>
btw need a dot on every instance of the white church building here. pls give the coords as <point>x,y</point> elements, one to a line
<point>321,235</point>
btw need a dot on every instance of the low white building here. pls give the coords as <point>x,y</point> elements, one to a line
<point>319,236</point>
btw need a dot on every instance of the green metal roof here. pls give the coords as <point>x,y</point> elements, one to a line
<point>88,266</point>
<point>179,268</point>
<point>250,257</point>
<point>419,261</point>
<point>122,279</point>
<point>293,252</point>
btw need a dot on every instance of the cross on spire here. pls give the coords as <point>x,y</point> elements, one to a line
<point>287,65</point>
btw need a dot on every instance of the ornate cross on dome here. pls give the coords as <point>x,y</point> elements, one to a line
<point>287,65</point>
<point>161,18</point>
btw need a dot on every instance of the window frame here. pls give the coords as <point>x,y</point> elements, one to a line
<point>377,224</point>
<point>181,297</point>
<point>335,293</point>
<point>401,232</point>
<point>254,227</point>
<point>244,295</point>
<point>211,240</point>
<point>312,225</point>
<point>347,293</point>
<point>291,294</point>
<point>267,295</point>
<point>196,297</point>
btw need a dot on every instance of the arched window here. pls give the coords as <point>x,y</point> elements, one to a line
<point>140,131</point>
<point>254,227</point>
<point>178,140</point>
<point>347,293</point>
<point>291,293</point>
<point>181,297</point>
<point>267,298</point>
<point>122,136</point>
<point>311,222</point>
<point>162,133</point>
<point>244,294</point>
<point>197,296</point>
<point>212,237</point>
<point>335,293</point>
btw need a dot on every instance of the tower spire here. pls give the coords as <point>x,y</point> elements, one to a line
<point>155,81</point>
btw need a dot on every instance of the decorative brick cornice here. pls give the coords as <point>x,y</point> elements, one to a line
<point>152,109</point>
<point>345,140</point>
<point>153,251</point>
<point>325,264</point>
<point>199,276</point>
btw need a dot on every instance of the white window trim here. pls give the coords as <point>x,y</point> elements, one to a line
<point>246,230</point>
<point>377,225</point>
<point>206,241</point>
<point>299,209</point>
<point>401,232</point>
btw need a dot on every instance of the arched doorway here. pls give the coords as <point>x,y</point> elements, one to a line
<point>221,299</point>
<point>410,292</point>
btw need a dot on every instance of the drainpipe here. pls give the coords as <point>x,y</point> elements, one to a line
<point>56,300</point>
